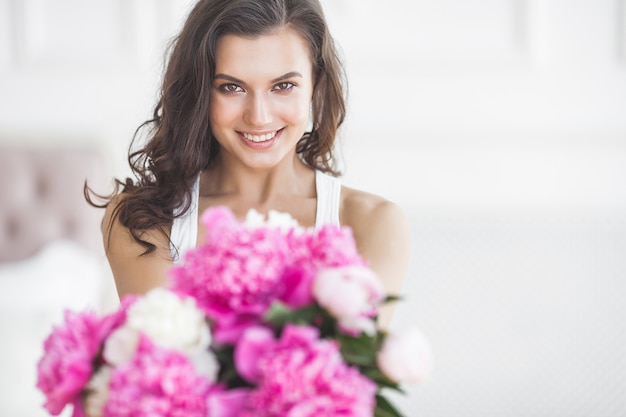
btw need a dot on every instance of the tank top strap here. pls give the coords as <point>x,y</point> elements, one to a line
<point>184,233</point>
<point>328,199</point>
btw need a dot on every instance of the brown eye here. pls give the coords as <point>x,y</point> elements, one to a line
<point>231,88</point>
<point>284,86</point>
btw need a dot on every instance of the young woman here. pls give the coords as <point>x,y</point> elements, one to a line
<point>250,104</point>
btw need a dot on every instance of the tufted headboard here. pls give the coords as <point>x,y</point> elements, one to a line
<point>41,199</point>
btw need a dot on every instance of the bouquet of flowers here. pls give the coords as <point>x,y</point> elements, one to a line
<point>265,319</point>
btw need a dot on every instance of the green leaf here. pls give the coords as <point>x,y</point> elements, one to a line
<point>391,299</point>
<point>360,350</point>
<point>381,379</point>
<point>385,409</point>
<point>306,315</point>
<point>357,359</point>
<point>360,342</point>
<point>280,314</point>
<point>327,326</point>
<point>379,412</point>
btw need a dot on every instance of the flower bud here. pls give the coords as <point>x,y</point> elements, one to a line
<point>350,294</point>
<point>406,357</point>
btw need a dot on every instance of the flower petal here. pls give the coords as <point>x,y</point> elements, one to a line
<point>227,403</point>
<point>252,345</point>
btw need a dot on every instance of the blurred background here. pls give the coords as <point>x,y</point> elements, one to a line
<point>498,125</point>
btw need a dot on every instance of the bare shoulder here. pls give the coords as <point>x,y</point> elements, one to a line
<point>382,234</point>
<point>380,228</point>
<point>113,230</point>
<point>134,271</point>
<point>369,215</point>
<point>110,220</point>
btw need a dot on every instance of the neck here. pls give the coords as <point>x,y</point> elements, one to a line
<point>255,186</point>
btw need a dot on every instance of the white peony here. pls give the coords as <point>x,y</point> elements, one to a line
<point>97,392</point>
<point>121,345</point>
<point>275,219</point>
<point>171,322</point>
<point>254,219</point>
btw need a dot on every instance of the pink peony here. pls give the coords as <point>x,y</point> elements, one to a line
<point>350,294</point>
<point>255,343</point>
<point>157,382</point>
<point>333,246</point>
<point>227,403</point>
<point>241,270</point>
<point>310,252</point>
<point>406,357</point>
<point>300,375</point>
<point>69,353</point>
<point>295,286</point>
<point>235,275</point>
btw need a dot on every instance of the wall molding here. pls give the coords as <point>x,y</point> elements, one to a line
<point>621,31</point>
<point>491,177</point>
<point>493,38</point>
<point>98,35</point>
<point>5,34</point>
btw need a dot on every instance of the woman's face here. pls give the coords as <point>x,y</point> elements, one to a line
<point>260,97</point>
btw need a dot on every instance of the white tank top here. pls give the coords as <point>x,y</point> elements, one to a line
<point>184,233</point>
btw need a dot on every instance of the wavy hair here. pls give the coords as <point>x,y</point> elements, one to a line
<point>179,141</point>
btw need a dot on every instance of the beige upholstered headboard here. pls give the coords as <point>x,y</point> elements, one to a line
<point>41,199</point>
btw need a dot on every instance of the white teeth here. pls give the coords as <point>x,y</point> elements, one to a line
<point>259,138</point>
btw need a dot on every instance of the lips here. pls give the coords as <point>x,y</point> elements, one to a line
<point>260,140</point>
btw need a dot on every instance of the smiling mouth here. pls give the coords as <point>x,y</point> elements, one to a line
<point>260,138</point>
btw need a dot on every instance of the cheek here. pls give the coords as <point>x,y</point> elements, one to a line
<point>222,112</point>
<point>296,111</point>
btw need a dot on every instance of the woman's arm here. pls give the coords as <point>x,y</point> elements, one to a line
<point>133,272</point>
<point>382,234</point>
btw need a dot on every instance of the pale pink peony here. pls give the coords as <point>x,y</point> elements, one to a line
<point>406,357</point>
<point>157,382</point>
<point>351,295</point>
<point>300,375</point>
<point>69,352</point>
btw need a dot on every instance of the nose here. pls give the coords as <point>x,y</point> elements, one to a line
<point>258,112</point>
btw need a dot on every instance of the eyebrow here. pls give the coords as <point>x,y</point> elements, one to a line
<point>291,74</point>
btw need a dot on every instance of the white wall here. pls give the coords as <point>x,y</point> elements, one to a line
<point>484,99</point>
<point>82,72</point>
<point>491,102</point>
<point>499,125</point>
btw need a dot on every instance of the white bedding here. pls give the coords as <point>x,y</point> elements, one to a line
<point>33,295</point>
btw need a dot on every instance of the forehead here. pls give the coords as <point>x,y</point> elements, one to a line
<point>270,55</point>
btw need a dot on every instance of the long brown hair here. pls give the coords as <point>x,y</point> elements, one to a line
<point>179,140</point>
